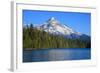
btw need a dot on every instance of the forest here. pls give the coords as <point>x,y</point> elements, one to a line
<point>34,39</point>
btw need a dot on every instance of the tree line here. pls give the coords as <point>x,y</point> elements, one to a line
<point>37,39</point>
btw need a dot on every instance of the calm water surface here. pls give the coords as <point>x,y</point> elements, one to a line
<point>56,54</point>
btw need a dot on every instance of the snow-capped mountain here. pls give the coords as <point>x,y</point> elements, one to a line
<point>53,26</point>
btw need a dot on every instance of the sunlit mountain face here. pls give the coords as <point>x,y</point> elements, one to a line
<point>54,27</point>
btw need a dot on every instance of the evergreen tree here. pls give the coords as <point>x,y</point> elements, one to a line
<point>38,39</point>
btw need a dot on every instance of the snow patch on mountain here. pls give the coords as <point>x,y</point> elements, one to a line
<point>53,26</point>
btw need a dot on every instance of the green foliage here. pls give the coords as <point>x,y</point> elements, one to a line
<point>38,39</point>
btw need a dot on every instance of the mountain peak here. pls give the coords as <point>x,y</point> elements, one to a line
<point>52,18</point>
<point>53,26</point>
<point>52,21</point>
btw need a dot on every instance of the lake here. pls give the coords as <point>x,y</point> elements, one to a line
<point>56,54</point>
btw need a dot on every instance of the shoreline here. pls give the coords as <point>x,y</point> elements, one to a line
<point>30,49</point>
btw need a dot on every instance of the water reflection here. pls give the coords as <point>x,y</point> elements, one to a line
<point>56,54</point>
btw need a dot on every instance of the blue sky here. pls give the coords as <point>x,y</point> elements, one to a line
<point>80,22</point>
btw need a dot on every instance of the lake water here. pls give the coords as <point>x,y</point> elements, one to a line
<point>56,54</point>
